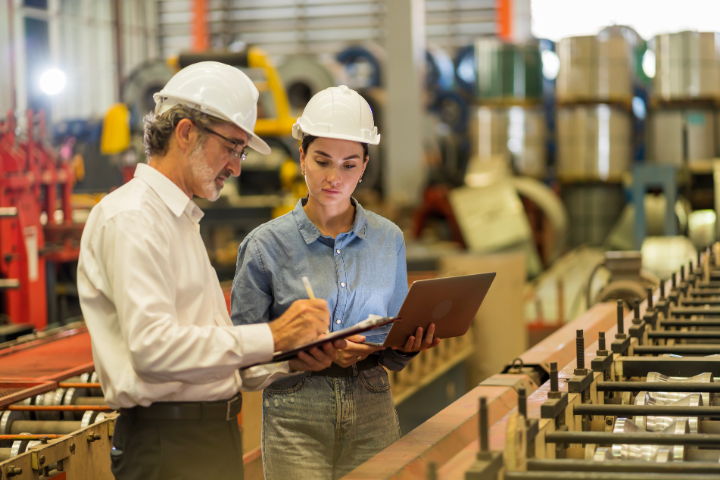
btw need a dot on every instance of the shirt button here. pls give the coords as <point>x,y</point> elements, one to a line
<point>337,251</point>
<point>342,284</point>
<point>337,321</point>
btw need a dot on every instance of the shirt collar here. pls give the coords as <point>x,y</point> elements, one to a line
<point>310,232</point>
<point>169,193</point>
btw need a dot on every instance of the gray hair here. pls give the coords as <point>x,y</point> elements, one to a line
<point>158,129</point>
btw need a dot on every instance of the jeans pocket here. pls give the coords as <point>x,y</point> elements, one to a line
<point>285,385</point>
<point>375,380</point>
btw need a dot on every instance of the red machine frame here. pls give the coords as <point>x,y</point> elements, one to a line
<point>31,176</point>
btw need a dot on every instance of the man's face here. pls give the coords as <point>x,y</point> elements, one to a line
<point>212,162</point>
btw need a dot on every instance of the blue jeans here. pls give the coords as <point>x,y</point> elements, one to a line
<point>322,428</point>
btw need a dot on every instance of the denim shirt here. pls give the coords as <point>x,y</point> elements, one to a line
<point>360,272</point>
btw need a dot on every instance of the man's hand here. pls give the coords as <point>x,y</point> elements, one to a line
<point>416,343</point>
<point>317,359</point>
<point>355,351</point>
<point>302,323</point>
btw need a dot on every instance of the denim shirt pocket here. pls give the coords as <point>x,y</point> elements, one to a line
<point>375,380</point>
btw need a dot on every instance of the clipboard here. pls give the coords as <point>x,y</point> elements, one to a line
<point>366,325</point>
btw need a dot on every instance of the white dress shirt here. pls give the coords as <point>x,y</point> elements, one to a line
<point>157,317</point>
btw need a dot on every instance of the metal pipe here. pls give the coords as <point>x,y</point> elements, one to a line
<point>634,410</point>
<point>29,437</point>
<point>648,438</point>
<point>704,312</point>
<point>78,385</point>
<point>537,465</point>
<point>704,334</point>
<point>39,427</point>
<point>677,349</point>
<point>658,387</point>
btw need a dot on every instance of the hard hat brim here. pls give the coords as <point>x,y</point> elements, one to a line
<point>298,133</point>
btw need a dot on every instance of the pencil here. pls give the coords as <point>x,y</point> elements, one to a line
<point>311,294</point>
<point>308,288</point>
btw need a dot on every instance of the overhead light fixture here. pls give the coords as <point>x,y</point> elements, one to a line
<point>550,64</point>
<point>52,81</point>
<point>648,63</point>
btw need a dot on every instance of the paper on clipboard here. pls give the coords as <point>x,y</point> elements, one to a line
<point>370,323</point>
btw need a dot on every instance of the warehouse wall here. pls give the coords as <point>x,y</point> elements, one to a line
<point>81,43</point>
<point>288,27</point>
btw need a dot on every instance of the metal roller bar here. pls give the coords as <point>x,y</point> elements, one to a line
<point>702,335</point>
<point>678,350</point>
<point>690,323</point>
<point>707,292</point>
<point>30,437</point>
<point>689,311</point>
<point>709,285</point>
<point>672,367</point>
<point>8,212</point>
<point>649,438</point>
<point>9,283</point>
<point>600,476</point>
<point>59,408</point>
<point>39,427</point>
<point>629,466</point>
<point>700,303</point>
<point>634,410</point>
<point>658,387</point>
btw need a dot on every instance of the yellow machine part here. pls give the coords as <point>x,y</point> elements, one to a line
<point>116,130</point>
<point>282,125</point>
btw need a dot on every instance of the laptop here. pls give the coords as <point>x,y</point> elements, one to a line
<point>450,303</point>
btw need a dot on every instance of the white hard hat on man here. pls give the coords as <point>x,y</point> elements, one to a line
<point>218,90</point>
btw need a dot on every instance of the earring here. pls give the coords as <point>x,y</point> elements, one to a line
<point>360,181</point>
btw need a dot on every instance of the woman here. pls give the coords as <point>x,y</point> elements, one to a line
<point>322,426</point>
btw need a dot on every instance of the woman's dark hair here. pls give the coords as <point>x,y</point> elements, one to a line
<point>308,139</point>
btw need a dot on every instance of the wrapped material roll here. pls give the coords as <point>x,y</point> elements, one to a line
<point>687,65</point>
<point>516,134</point>
<point>595,68</point>
<point>508,73</point>
<point>677,134</point>
<point>594,142</point>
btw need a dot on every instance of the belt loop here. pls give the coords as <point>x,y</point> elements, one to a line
<point>355,370</point>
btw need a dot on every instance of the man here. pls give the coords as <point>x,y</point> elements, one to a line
<point>165,350</point>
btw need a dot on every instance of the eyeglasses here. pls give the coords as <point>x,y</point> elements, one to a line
<point>234,152</point>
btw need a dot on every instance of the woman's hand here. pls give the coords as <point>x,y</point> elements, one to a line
<point>416,343</point>
<point>318,358</point>
<point>355,351</point>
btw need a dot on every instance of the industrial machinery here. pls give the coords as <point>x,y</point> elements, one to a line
<point>36,226</point>
<point>639,403</point>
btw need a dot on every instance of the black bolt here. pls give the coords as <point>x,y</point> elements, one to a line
<point>601,341</point>
<point>674,280</point>
<point>44,440</point>
<point>662,288</point>
<point>72,448</point>
<point>682,272</point>
<point>484,443</point>
<point>620,314</point>
<point>649,298</point>
<point>553,377</point>
<point>690,268</point>
<point>41,459</point>
<point>580,349</point>
<point>522,402</point>
<point>432,471</point>
<point>636,308</point>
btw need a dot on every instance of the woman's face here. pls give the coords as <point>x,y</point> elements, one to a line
<point>332,169</point>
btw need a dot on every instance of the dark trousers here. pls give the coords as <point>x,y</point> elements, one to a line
<point>176,449</point>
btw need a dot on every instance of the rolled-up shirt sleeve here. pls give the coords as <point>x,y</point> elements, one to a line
<point>252,293</point>
<point>140,276</point>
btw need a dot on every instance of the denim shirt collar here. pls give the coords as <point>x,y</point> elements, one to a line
<point>311,233</point>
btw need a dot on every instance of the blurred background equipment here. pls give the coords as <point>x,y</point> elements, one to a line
<point>570,146</point>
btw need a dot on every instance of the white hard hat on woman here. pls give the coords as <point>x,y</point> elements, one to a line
<point>338,112</point>
<point>218,90</point>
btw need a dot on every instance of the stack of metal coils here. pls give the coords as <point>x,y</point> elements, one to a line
<point>507,119</point>
<point>686,89</point>
<point>594,93</point>
<point>663,424</point>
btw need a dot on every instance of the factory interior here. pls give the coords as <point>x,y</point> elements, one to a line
<point>570,146</point>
